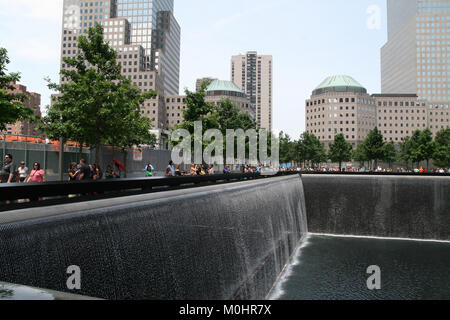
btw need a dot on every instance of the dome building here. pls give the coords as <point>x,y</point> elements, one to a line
<point>219,90</point>
<point>340,105</point>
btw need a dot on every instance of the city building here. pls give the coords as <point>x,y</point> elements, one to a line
<point>217,91</point>
<point>253,73</point>
<point>220,90</point>
<point>342,105</point>
<point>416,57</point>
<point>199,82</point>
<point>145,35</point>
<point>399,115</point>
<point>26,128</point>
<point>175,105</point>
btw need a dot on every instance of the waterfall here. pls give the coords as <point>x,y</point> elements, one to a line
<point>222,242</point>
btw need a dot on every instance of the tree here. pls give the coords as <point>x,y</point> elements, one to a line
<point>441,156</point>
<point>11,104</point>
<point>197,110</point>
<point>312,148</point>
<point>360,154</point>
<point>340,150</point>
<point>96,104</point>
<point>405,150</point>
<point>415,154</point>
<point>224,116</point>
<point>389,153</point>
<point>374,146</point>
<point>287,148</point>
<point>426,146</point>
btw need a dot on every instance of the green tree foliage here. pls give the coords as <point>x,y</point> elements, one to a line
<point>374,146</point>
<point>414,152</point>
<point>287,148</point>
<point>359,154</point>
<point>97,105</point>
<point>426,146</point>
<point>389,153</point>
<point>441,156</point>
<point>312,148</point>
<point>340,150</point>
<point>224,116</point>
<point>11,104</point>
<point>405,150</point>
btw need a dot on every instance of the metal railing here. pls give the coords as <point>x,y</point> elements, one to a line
<point>42,194</point>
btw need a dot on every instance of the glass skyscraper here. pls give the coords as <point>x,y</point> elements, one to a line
<point>416,58</point>
<point>146,36</point>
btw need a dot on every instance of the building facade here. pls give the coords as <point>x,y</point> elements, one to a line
<point>26,128</point>
<point>342,105</point>
<point>216,92</point>
<point>220,90</point>
<point>253,74</point>
<point>416,58</point>
<point>175,106</point>
<point>145,35</point>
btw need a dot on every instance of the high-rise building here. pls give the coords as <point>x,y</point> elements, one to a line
<point>253,74</point>
<point>416,58</point>
<point>26,128</point>
<point>145,35</point>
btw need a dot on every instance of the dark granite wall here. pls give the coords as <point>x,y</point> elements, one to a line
<point>383,206</point>
<point>230,243</point>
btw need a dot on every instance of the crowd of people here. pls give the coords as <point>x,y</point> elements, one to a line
<point>326,169</point>
<point>10,173</point>
<point>93,172</point>
<point>82,171</point>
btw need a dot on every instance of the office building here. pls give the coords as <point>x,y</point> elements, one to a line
<point>145,35</point>
<point>253,74</point>
<point>416,57</point>
<point>342,105</point>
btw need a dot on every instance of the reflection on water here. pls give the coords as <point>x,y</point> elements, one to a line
<point>334,268</point>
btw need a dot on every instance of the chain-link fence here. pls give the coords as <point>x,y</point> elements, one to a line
<point>46,153</point>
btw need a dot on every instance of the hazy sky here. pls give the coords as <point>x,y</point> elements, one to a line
<point>309,40</point>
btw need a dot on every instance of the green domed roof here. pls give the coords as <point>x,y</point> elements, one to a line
<point>339,83</point>
<point>220,85</point>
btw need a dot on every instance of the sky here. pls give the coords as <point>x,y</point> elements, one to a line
<point>308,39</point>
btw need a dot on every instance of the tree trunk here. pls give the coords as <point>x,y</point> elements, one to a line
<point>97,154</point>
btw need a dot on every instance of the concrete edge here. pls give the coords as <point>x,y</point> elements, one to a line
<point>51,211</point>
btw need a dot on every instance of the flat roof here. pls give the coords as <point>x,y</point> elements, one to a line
<point>395,95</point>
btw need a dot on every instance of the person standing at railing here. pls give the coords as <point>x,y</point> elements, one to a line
<point>170,171</point>
<point>117,173</point>
<point>149,170</point>
<point>73,172</point>
<point>85,171</point>
<point>22,172</point>
<point>109,173</point>
<point>37,174</point>
<point>8,171</point>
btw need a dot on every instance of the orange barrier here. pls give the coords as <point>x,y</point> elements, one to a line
<point>35,140</point>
